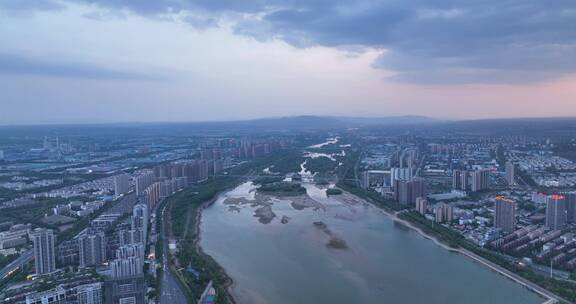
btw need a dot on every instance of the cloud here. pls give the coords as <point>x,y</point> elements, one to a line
<point>440,41</point>
<point>471,41</point>
<point>20,65</point>
<point>200,22</point>
<point>18,6</point>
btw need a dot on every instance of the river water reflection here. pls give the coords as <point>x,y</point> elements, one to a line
<point>375,260</point>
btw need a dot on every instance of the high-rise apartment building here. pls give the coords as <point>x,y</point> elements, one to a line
<point>44,253</point>
<point>127,267</point>
<point>143,181</point>
<point>505,214</point>
<point>406,192</point>
<point>421,205</point>
<point>92,249</point>
<point>140,220</point>
<point>570,206</point>
<point>89,293</point>
<point>443,213</point>
<point>457,179</point>
<point>510,173</point>
<point>129,261</point>
<point>129,290</point>
<point>405,174</point>
<point>128,237</point>
<point>480,180</point>
<point>556,212</point>
<point>153,194</point>
<point>121,184</point>
<point>460,180</point>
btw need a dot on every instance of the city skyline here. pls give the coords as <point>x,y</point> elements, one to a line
<point>97,214</point>
<point>287,151</point>
<point>102,61</point>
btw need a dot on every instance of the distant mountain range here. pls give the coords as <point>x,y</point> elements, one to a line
<point>323,122</point>
<point>306,122</point>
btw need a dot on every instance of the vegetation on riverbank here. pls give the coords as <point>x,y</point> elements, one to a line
<point>289,163</point>
<point>265,180</point>
<point>321,165</point>
<point>189,254</point>
<point>377,199</point>
<point>333,191</point>
<point>283,189</point>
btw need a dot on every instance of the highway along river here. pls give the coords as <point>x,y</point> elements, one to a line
<point>338,249</point>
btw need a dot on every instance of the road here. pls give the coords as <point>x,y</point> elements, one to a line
<point>170,290</point>
<point>14,265</point>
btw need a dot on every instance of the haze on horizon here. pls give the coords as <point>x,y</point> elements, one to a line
<point>92,61</point>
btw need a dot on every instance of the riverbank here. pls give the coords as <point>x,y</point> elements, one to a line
<point>394,215</point>
<point>191,255</point>
<point>550,298</point>
<point>226,281</point>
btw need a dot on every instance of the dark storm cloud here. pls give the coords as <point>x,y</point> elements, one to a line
<point>425,40</point>
<point>19,65</point>
<point>441,41</point>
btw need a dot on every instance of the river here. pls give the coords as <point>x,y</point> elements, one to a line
<point>377,260</point>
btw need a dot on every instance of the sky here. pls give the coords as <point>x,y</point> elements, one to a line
<point>98,61</point>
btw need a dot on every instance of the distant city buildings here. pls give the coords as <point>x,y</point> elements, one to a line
<point>405,174</point>
<point>570,206</point>
<point>406,192</point>
<point>121,184</point>
<point>153,194</point>
<point>460,180</point>
<point>143,181</point>
<point>443,213</point>
<point>505,214</point>
<point>44,253</point>
<point>421,205</point>
<point>140,218</point>
<point>510,173</point>
<point>480,180</point>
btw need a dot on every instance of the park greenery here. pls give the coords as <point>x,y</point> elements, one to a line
<point>283,188</point>
<point>333,191</point>
<point>321,165</point>
<point>6,259</point>
<point>265,180</point>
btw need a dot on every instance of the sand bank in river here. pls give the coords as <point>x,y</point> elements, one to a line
<point>334,242</point>
<point>264,202</point>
